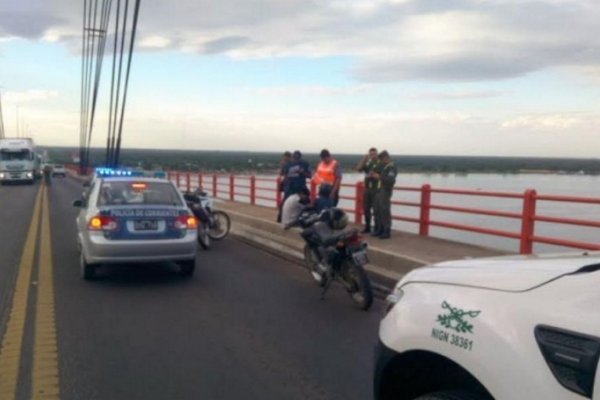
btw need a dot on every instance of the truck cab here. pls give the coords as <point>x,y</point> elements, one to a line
<point>17,160</point>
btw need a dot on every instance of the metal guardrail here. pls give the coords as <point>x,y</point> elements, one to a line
<point>228,187</point>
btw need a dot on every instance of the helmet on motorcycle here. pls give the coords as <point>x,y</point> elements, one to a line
<point>338,219</point>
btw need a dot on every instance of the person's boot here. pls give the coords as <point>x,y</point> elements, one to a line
<point>367,228</point>
<point>377,232</point>
<point>386,234</point>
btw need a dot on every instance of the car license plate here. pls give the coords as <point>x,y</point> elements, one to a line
<point>360,257</point>
<point>145,225</point>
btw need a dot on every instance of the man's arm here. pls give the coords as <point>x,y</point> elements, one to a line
<point>360,167</point>
<point>338,180</point>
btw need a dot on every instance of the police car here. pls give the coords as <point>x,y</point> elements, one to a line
<point>125,218</point>
<point>507,328</point>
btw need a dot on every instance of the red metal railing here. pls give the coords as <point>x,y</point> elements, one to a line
<point>256,187</point>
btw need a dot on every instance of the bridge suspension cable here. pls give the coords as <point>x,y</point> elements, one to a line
<point>96,21</point>
<point>2,134</point>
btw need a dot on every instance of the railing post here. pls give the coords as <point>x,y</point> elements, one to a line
<point>232,187</point>
<point>359,203</point>
<point>278,192</point>
<point>214,185</point>
<point>313,190</point>
<point>178,177</point>
<point>253,190</point>
<point>528,221</point>
<point>200,185</point>
<point>424,217</point>
<point>169,175</point>
<point>188,182</point>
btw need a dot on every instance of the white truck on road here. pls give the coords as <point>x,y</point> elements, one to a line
<point>506,328</point>
<point>18,160</point>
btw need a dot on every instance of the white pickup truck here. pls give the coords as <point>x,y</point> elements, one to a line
<point>506,328</point>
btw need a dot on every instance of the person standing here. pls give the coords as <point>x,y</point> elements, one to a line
<point>329,171</point>
<point>295,174</point>
<point>368,165</point>
<point>386,176</point>
<point>285,160</point>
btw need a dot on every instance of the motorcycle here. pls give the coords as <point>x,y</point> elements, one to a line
<point>214,224</point>
<point>336,255</point>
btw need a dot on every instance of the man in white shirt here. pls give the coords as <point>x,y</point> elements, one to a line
<point>293,207</point>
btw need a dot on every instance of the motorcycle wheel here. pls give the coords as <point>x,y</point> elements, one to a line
<point>203,236</point>
<point>358,285</point>
<point>312,263</point>
<point>220,226</point>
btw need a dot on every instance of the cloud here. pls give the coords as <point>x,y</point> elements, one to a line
<point>558,122</point>
<point>29,96</point>
<point>315,90</point>
<point>391,40</point>
<point>456,95</point>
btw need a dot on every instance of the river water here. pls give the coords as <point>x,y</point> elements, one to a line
<point>547,184</point>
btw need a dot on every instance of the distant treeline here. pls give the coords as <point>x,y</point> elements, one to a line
<point>231,161</point>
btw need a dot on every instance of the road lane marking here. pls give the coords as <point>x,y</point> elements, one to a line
<point>12,342</point>
<point>45,378</point>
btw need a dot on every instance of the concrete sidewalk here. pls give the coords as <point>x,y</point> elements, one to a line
<point>390,259</point>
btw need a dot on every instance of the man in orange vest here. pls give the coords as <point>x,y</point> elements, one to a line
<point>329,172</point>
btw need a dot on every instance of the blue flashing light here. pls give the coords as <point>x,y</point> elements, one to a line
<point>108,172</point>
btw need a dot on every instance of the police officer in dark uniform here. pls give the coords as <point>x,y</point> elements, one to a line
<point>386,176</point>
<point>368,165</point>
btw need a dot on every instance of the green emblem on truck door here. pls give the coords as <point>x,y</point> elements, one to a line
<point>456,319</point>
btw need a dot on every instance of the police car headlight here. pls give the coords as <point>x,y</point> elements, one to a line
<point>392,299</point>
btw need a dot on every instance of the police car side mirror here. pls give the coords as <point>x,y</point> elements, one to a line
<point>79,203</point>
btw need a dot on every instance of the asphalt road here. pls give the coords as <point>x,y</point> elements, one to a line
<point>248,325</point>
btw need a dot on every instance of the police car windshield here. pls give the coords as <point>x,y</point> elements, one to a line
<point>120,193</point>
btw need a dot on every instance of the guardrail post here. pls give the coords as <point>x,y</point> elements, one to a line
<point>188,181</point>
<point>359,203</point>
<point>528,221</point>
<point>424,217</point>
<point>214,185</point>
<point>278,192</point>
<point>178,178</point>
<point>313,191</point>
<point>232,187</point>
<point>253,190</point>
<point>200,185</point>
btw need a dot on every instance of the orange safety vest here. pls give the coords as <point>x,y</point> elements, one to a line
<point>325,173</point>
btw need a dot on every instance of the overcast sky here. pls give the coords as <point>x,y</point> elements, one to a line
<point>460,77</point>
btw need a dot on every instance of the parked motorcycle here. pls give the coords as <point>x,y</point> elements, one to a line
<point>333,253</point>
<point>214,224</point>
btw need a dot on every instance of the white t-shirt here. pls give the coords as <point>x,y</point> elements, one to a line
<point>292,208</point>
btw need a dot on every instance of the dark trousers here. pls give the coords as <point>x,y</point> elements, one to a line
<point>369,204</point>
<point>383,210</point>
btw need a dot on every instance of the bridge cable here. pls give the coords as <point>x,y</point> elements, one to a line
<point>101,45</point>
<point>126,85</point>
<point>112,161</point>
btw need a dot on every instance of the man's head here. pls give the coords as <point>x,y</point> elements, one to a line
<point>325,190</point>
<point>304,195</point>
<point>287,156</point>
<point>326,156</point>
<point>384,156</point>
<point>373,153</point>
<point>297,156</point>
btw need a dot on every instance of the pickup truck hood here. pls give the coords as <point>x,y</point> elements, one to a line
<point>512,273</point>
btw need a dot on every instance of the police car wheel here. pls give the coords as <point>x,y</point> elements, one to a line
<point>452,395</point>
<point>88,271</point>
<point>187,267</point>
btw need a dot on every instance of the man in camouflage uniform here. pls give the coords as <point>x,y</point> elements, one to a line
<point>386,176</point>
<point>368,165</point>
